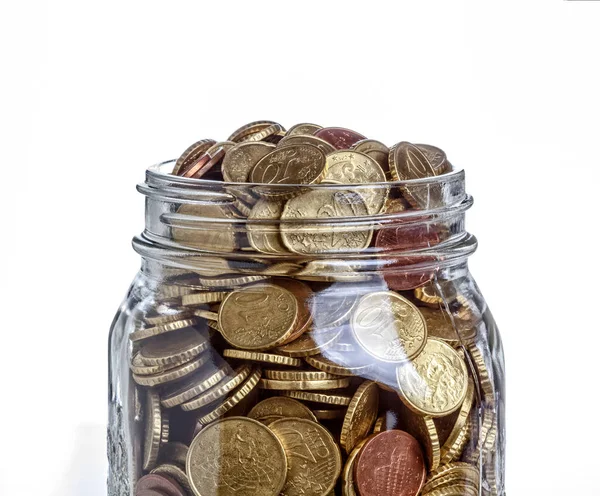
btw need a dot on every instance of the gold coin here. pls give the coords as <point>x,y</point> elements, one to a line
<point>290,164</point>
<point>174,472</point>
<point>311,343</point>
<point>485,381</point>
<point>173,348</point>
<point>304,128</point>
<point>278,407</point>
<point>328,399</point>
<point>429,295</point>
<point>265,237</point>
<point>379,424</point>
<point>352,167</point>
<point>149,332</point>
<point>314,458</point>
<point>264,134</point>
<point>434,383</point>
<point>249,129</point>
<point>338,368</point>
<point>238,395</point>
<point>191,154</point>
<point>456,450</point>
<point>360,416</point>
<point>206,314</point>
<point>436,157</point>
<point>305,139</point>
<point>160,318</point>
<point>230,282</point>
<point>258,317</point>
<point>441,326</point>
<point>221,388</point>
<point>202,298</point>
<point>194,226</point>
<point>152,430</point>
<point>298,375</point>
<point>308,238</point>
<point>454,490</point>
<point>281,269</point>
<point>348,487</point>
<point>389,327</point>
<point>193,385</point>
<point>173,374</point>
<point>263,357</point>
<point>241,159</point>
<point>377,151</point>
<point>138,367</point>
<point>236,456</point>
<point>329,414</point>
<point>321,385</point>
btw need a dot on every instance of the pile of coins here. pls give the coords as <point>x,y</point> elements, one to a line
<point>289,383</point>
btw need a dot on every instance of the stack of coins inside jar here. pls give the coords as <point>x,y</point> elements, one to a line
<point>308,377</point>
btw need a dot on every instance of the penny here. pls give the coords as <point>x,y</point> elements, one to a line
<point>314,459</point>
<point>241,159</point>
<point>152,429</point>
<point>389,327</point>
<point>435,382</point>
<point>304,139</point>
<point>265,237</point>
<point>304,128</point>
<point>258,317</point>
<point>348,486</point>
<point>390,463</point>
<point>352,167</point>
<point>404,273</point>
<point>310,238</point>
<point>360,416</point>
<point>174,348</point>
<point>237,456</point>
<point>191,155</point>
<point>279,407</point>
<point>406,237</point>
<point>159,484</point>
<point>339,137</point>
<point>205,163</point>
<point>290,164</point>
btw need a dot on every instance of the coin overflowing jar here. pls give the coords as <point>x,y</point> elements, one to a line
<point>305,324</point>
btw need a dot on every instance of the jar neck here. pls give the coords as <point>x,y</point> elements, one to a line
<point>203,226</point>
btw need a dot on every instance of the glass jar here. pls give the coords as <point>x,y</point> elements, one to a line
<point>305,355</point>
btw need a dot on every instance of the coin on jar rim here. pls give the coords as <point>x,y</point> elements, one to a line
<point>339,137</point>
<point>205,163</point>
<point>191,154</point>
<point>264,134</point>
<point>388,327</point>
<point>215,461</point>
<point>249,129</point>
<point>241,159</point>
<point>314,458</point>
<point>279,407</point>
<point>361,414</point>
<point>258,317</point>
<point>290,164</point>
<point>436,157</point>
<point>435,382</point>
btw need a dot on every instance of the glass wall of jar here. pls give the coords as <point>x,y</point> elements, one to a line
<point>284,340</point>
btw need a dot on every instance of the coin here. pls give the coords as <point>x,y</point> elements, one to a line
<point>339,137</point>
<point>314,459</point>
<point>265,237</point>
<point>173,374</point>
<point>205,163</point>
<point>348,486</point>
<point>450,426</point>
<point>311,343</point>
<point>304,128</point>
<point>258,317</point>
<point>202,298</point>
<point>352,167</point>
<point>360,416</point>
<point>323,385</point>
<point>241,159</point>
<point>263,357</point>
<point>333,414</point>
<point>237,456</point>
<point>440,325</point>
<point>304,139</point>
<point>173,348</point>
<point>333,305</point>
<point>138,367</point>
<point>278,407</point>
<point>159,484</point>
<point>194,385</point>
<point>149,332</point>
<point>175,473</point>
<point>436,157</point>
<point>250,129</point>
<point>195,227</point>
<point>191,154</point>
<point>303,294</point>
<point>329,399</point>
<point>216,391</point>
<point>236,397</point>
<point>337,367</point>
<point>290,164</point>
<point>390,463</point>
<point>435,382</point>
<point>230,282</point>
<point>174,453</point>
<point>377,151</point>
<point>388,327</point>
<point>264,134</point>
<point>152,429</point>
<point>298,375</point>
<point>305,237</point>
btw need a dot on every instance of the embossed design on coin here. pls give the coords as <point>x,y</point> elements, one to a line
<point>314,459</point>
<point>258,317</point>
<point>436,157</point>
<point>241,159</point>
<point>303,128</point>
<point>279,407</point>
<point>391,464</point>
<point>339,137</point>
<point>304,139</point>
<point>389,327</point>
<point>237,456</point>
<point>291,164</point>
<point>377,151</point>
<point>325,238</point>
<point>266,237</point>
<point>435,382</point>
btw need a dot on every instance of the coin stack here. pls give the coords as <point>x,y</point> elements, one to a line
<point>298,382</point>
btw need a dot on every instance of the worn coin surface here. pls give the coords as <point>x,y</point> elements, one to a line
<point>290,164</point>
<point>308,238</point>
<point>241,159</point>
<point>237,456</point>
<point>339,137</point>
<point>435,382</point>
<point>314,459</point>
<point>258,317</point>
<point>304,128</point>
<point>304,139</point>
<point>391,464</point>
<point>389,327</point>
<point>279,407</point>
<point>360,416</point>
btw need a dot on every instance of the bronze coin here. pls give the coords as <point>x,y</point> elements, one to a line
<point>391,464</point>
<point>158,484</point>
<point>339,137</point>
<point>191,155</point>
<point>403,273</point>
<point>205,163</point>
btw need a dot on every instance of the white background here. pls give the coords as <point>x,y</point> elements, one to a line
<point>93,92</point>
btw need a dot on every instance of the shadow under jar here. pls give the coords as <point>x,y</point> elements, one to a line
<point>283,340</point>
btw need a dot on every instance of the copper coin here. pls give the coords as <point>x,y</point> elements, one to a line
<point>400,276</point>
<point>304,295</point>
<point>158,483</point>
<point>191,155</point>
<point>390,464</point>
<point>204,163</point>
<point>340,138</point>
